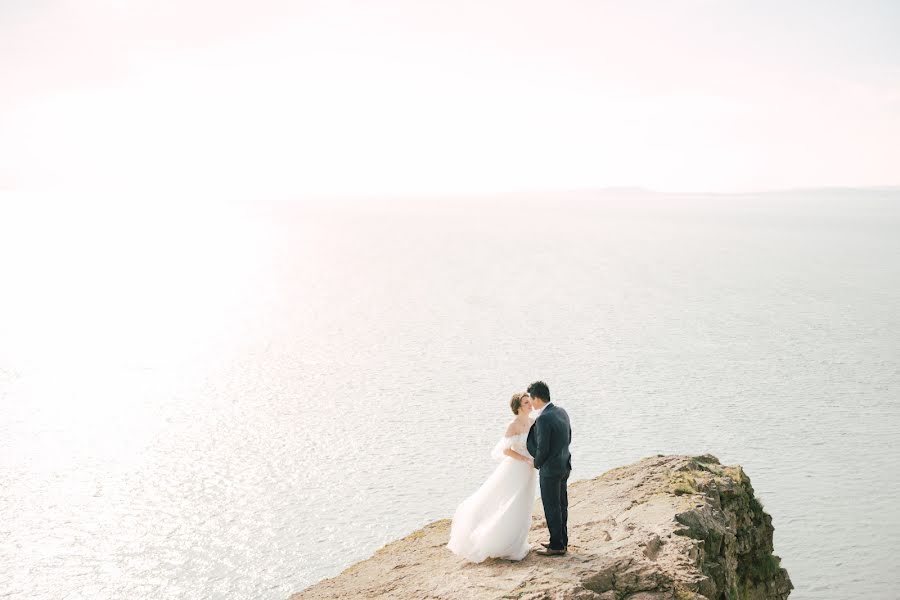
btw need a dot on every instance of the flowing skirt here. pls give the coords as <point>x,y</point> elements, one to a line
<point>494,521</point>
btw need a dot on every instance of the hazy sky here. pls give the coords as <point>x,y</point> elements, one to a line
<point>407,96</point>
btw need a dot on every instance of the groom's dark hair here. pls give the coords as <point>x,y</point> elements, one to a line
<point>539,389</point>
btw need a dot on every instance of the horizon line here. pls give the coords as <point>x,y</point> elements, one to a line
<point>269,195</point>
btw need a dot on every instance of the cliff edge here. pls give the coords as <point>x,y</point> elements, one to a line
<point>674,527</point>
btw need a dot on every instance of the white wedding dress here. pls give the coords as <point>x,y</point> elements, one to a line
<point>494,521</point>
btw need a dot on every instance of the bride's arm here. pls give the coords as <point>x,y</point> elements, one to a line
<point>512,453</point>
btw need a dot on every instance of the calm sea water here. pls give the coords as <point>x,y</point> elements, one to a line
<point>227,402</point>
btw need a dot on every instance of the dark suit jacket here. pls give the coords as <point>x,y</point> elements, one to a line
<point>548,441</point>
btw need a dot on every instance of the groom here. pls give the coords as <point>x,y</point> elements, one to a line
<point>548,442</point>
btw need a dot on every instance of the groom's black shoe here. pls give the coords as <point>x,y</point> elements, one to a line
<point>551,552</point>
<point>548,546</point>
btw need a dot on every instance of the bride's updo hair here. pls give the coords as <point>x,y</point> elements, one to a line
<point>516,402</point>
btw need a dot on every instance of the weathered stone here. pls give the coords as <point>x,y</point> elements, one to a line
<point>682,527</point>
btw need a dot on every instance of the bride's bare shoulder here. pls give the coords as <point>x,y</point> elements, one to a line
<point>511,429</point>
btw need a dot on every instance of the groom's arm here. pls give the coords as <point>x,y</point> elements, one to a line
<point>542,437</point>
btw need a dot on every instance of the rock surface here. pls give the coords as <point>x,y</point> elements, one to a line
<point>674,527</point>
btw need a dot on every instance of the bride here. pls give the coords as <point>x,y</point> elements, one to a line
<point>494,521</point>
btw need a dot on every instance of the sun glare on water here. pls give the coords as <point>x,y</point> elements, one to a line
<point>106,310</point>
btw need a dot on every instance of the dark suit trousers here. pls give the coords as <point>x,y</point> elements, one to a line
<point>556,508</point>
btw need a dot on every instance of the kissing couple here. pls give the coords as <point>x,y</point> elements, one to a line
<point>494,521</point>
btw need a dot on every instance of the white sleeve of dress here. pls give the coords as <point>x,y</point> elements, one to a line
<point>503,444</point>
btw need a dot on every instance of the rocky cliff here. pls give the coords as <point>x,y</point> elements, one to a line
<point>673,527</point>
